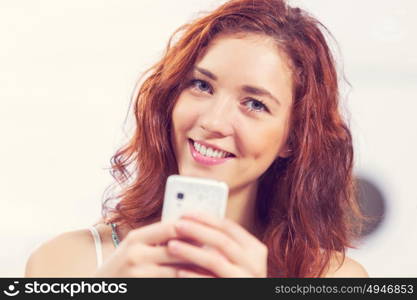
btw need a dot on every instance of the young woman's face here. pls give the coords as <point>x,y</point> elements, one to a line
<point>237,102</point>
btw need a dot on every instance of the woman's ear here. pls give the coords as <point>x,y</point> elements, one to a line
<point>285,152</point>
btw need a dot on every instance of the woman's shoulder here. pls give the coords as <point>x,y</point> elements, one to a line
<point>340,266</point>
<point>69,254</point>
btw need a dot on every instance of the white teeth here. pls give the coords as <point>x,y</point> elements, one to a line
<point>203,150</point>
<point>207,151</point>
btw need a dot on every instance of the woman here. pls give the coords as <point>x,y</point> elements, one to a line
<point>253,81</point>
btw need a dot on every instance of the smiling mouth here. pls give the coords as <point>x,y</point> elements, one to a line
<point>208,151</point>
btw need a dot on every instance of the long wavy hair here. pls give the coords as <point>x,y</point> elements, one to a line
<point>307,201</point>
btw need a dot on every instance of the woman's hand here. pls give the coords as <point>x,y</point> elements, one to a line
<point>229,250</point>
<point>143,253</point>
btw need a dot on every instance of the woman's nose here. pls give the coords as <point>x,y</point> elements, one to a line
<point>218,118</point>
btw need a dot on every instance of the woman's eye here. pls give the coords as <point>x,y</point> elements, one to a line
<point>201,85</point>
<point>255,105</point>
<point>251,104</point>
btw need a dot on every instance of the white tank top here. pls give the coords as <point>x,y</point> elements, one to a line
<point>97,243</point>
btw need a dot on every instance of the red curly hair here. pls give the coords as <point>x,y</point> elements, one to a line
<point>307,201</point>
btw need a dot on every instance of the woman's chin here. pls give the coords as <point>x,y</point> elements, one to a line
<point>201,174</point>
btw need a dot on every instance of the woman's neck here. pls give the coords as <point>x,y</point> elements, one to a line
<point>241,208</point>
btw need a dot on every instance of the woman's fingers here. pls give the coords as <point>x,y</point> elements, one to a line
<point>249,255</point>
<point>140,254</point>
<point>205,258</point>
<point>236,232</point>
<point>143,255</point>
<point>153,234</point>
<point>161,255</point>
<point>211,237</point>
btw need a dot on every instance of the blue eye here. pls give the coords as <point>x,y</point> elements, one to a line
<point>257,106</point>
<point>201,85</point>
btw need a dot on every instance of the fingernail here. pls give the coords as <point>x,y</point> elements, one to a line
<point>181,225</point>
<point>173,244</point>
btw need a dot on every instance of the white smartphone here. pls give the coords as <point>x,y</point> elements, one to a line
<point>193,194</point>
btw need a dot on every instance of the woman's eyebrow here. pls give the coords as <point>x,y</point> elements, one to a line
<point>258,91</point>
<point>206,72</point>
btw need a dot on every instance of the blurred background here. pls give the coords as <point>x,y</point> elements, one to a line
<point>68,70</point>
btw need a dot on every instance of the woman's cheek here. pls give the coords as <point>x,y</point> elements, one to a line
<point>187,109</point>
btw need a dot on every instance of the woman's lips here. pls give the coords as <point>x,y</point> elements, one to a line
<point>205,160</point>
